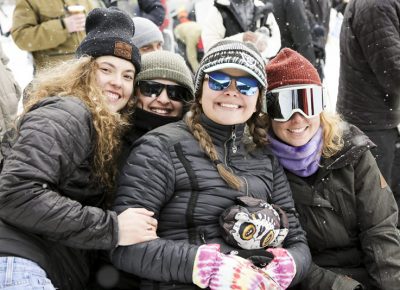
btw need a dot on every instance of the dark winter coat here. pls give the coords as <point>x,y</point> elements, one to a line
<point>173,177</point>
<point>50,204</point>
<point>369,81</point>
<point>294,27</point>
<point>150,9</point>
<point>350,217</point>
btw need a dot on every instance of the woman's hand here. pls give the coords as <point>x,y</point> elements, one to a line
<point>136,225</point>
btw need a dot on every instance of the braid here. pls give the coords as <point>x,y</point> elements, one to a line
<point>205,141</point>
<point>258,125</point>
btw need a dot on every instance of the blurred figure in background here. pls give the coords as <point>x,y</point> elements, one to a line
<point>369,80</point>
<point>153,10</point>
<point>188,32</point>
<point>10,94</point>
<point>50,30</point>
<point>294,27</point>
<point>148,36</point>
<point>250,21</point>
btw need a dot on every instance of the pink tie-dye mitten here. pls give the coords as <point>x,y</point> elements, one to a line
<point>282,268</point>
<point>225,272</point>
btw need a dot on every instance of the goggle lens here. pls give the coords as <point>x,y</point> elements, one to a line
<point>174,92</point>
<point>218,81</point>
<point>283,103</point>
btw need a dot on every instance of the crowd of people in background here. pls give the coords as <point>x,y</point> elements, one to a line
<point>188,146</point>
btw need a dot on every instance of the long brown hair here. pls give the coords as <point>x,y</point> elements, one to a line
<point>77,78</point>
<point>256,125</point>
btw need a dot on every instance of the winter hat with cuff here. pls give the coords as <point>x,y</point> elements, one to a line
<point>232,54</point>
<point>163,64</point>
<point>146,32</point>
<point>289,67</point>
<point>109,31</point>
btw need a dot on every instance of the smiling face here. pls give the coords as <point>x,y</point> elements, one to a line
<point>115,77</point>
<point>162,104</point>
<point>229,106</point>
<point>298,130</point>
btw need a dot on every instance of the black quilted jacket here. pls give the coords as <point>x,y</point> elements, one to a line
<point>50,206</point>
<point>369,82</point>
<point>169,174</point>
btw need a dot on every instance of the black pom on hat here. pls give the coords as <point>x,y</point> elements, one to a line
<point>109,31</point>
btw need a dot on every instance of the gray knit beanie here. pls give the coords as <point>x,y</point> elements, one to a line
<point>232,54</point>
<point>146,32</point>
<point>163,64</point>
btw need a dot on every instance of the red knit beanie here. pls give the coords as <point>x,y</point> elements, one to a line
<point>290,68</point>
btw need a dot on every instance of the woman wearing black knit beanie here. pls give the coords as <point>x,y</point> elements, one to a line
<point>190,171</point>
<point>59,165</point>
<point>344,204</point>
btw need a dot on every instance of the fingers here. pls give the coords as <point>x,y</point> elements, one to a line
<point>143,211</point>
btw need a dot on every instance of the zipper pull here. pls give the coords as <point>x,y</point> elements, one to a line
<point>233,137</point>
<point>202,237</point>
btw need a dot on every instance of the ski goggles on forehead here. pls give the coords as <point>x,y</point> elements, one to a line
<point>219,81</point>
<point>283,103</point>
<point>174,92</point>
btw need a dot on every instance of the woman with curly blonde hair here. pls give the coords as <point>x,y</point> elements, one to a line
<point>344,204</point>
<point>59,168</point>
<point>190,171</point>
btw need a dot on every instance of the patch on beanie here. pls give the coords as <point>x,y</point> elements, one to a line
<point>122,49</point>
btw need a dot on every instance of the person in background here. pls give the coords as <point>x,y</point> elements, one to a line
<point>51,31</point>
<point>60,165</point>
<point>344,204</point>
<point>190,171</point>
<point>189,33</point>
<point>243,20</point>
<point>369,79</point>
<point>148,36</point>
<point>153,10</point>
<point>10,93</point>
<point>294,27</point>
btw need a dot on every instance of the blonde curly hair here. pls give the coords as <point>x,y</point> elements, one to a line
<point>77,78</point>
<point>256,129</point>
<point>332,132</point>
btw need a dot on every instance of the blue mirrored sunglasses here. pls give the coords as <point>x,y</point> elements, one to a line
<point>219,81</point>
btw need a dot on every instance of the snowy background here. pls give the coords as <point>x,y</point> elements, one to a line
<point>21,63</point>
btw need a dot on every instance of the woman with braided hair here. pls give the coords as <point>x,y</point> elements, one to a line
<point>190,171</point>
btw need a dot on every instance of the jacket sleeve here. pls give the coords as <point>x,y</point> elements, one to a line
<point>380,43</point>
<point>321,279</point>
<point>30,34</point>
<point>52,141</point>
<point>148,180</point>
<point>300,29</point>
<point>295,242</point>
<point>377,214</point>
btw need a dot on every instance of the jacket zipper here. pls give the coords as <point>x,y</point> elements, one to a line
<point>233,147</point>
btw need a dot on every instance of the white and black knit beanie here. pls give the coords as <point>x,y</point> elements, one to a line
<point>163,64</point>
<point>232,54</point>
<point>146,32</point>
<point>109,31</point>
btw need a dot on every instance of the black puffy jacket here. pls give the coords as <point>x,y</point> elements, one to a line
<point>369,80</point>
<point>50,204</point>
<point>168,173</point>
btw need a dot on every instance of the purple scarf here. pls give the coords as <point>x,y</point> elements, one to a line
<point>303,160</point>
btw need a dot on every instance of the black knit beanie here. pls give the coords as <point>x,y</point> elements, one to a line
<point>109,31</point>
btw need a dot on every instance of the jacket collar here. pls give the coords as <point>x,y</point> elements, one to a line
<point>221,133</point>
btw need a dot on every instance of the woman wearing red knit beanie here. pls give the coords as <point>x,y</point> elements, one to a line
<point>344,203</point>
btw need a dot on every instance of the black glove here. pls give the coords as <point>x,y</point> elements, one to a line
<point>259,257</point>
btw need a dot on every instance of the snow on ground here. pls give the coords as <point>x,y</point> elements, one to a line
<point>21,63</point>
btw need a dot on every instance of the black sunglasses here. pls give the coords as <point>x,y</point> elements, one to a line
<point>174,92</point>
